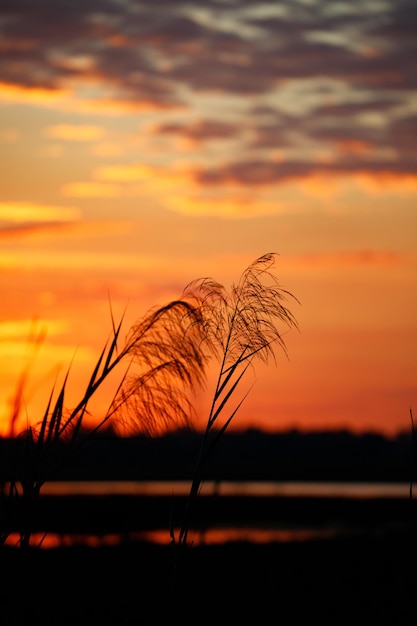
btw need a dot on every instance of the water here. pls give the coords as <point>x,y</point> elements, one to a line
<point>230,488</point>
<point>264,511</point>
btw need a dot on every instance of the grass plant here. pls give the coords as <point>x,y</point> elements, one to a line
<point>163,358</point>
<point>160,358</point>
<point>414,438</point>
<point>240,327</point>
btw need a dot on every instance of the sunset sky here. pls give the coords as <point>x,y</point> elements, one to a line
<point>147,144</point>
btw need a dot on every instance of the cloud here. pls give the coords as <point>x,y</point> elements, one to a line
<point>149,177</point>
<point>23,213</point>
<point>124,173</point>
<point>88,189</point>
<point>400,184</point>
<point>80,261</point>
<point>264,173</point>
<point>31,229</point>
<point>304,79</point>
<point>108,149</point>
<point>347,258</point>
<point>225,208</point>
<point>199,131</point>
<point>20,219</point>
<point>249,188</point>
<point>118,181</point>
<point>139,53</point>
<point>26,331</point>
<point>72,132</point>
<point>22,93</point>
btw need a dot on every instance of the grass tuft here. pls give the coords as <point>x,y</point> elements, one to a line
<point>240,327</point>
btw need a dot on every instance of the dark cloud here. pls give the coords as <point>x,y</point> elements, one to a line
<point>401,24</point>
<point>252,173</point>
<point>387,142</point>
<point>263,173</point>
<point>348,109</point>
<point>396,137</point>
<point>403,134</point>
<point>166,41</point>
<point>202,130</point>
<point>156,53</point>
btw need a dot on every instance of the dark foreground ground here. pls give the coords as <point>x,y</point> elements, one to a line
<point>369,579</point>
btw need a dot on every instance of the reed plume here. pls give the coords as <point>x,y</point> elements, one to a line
<point>239,328</point>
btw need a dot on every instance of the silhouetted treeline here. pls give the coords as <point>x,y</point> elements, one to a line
<point>251,455</point>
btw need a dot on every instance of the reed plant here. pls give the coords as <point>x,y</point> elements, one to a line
<point>159,360</point>
<point>163,358</point>
<point>414,440</point>
<point>240,327</point>
<point>413,480</point>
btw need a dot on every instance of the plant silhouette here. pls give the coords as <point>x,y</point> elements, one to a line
<point>239,328</point>
<point>165,355</point>
<point>160,358</point>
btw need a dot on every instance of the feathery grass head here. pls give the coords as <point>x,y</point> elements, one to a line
<point>243,323</point>
<point>238,327</point>
<point>167,357</point>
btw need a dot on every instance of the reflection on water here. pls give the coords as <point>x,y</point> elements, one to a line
<point>227,488</point>
<point>253,535</point>
<point>261,530</point>
<point>209,536</point>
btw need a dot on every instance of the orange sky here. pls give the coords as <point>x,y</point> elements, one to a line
<point>142,148</point>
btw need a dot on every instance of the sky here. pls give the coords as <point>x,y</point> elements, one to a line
<point>144,145</point>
